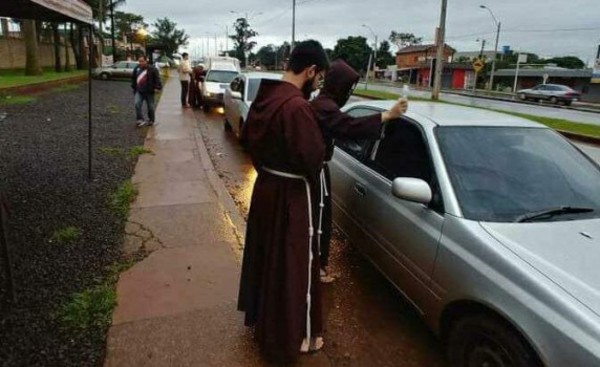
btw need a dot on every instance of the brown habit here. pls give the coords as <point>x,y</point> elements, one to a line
<point>282,134</point>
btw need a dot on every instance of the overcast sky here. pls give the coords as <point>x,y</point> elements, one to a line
<point>546,27</point>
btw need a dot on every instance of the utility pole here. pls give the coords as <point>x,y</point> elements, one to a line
<point>293,24</point>
<point>498,26</point>
<point>439,64</point>
<point>112,31</point>
<point>226,40</point>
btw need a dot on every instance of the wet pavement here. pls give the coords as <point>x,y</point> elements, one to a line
<point>367,322</point>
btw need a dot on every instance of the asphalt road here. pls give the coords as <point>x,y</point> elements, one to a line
<point>367,322</point>
<point>532,109</point>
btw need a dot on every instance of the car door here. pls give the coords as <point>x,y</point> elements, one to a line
<point>403,236</point>
<point>238,103</point>
<point>228,101</point>
<point>130,67</point>
<point>119,70</point>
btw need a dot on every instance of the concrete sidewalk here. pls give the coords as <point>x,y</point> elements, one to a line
<point>178,306</point>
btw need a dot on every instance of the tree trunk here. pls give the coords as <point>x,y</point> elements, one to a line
<point>32,63</point>
<point>56,36</point>
<point>67,53</point>
<point>82,49</point>
<point>74,35</point>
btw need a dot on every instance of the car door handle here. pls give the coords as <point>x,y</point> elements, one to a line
<point>360,190</point>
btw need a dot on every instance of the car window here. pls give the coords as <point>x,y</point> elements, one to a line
<point>121,65</point>
<point>500,174</point>
<point>132,65</point>
<point>357,148</point>
<point>253,86</point>
<point>219,76</point>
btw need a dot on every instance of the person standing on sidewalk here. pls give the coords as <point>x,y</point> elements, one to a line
<point>279,288</point>
<point>185,72</point>
<point>145,82</point>
<point>339,84</point>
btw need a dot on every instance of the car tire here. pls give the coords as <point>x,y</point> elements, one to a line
<point>482,340</point>
<point>227,125</point>
<point>104,76</point>
<point>553,100</point>
<point>523,97</point>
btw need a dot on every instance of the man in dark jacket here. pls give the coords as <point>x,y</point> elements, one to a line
<point>145,82</point>
<point>337,89</point>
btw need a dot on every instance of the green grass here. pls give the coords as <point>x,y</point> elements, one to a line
<point>10,79</point>
<point>65,235</point>
<point>93,307</point>
<point>137,151</point>
<point>10,100</point>
<point>558,124</point>
<point>122,198</point>
<point>113,152</point>
<point>65,88</point>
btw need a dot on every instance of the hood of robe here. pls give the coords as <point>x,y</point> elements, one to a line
<point>339,81</point>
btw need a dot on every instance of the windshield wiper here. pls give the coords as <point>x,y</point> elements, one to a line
<point>551,212</point>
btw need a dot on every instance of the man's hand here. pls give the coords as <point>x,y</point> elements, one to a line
<point>396,111</point>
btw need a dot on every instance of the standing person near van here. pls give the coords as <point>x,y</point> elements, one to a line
<point>339,84</point>
<point>185,72</point>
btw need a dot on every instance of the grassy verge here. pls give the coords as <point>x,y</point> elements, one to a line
<point>122,198</point>
<point>16,100</point>
<point>16,79</point>
<point>65,235</point>
<point>558,124</point>
<point>94,306</point>
<point>137,151</point>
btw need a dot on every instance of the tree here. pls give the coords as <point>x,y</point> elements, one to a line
<point>32,61</point>
<point>57,44</point>
<point>354,50</point>
<point>384,56</point>
<point>168,36</point>
<point>67,54</point>
<point>267,55</point>
<point>402,40</point>
<point>569,62</point>
<point>126,22</point>
<point>241,39</point>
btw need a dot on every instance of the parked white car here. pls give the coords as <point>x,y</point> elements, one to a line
<point>239,97</point>
<point>215,83</point>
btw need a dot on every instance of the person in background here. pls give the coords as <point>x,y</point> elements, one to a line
<point>339,85</point>
<point>145,82</point>
<point>195,92</point>
<point>185,71</point>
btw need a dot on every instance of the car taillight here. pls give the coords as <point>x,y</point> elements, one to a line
<point>571,94</point>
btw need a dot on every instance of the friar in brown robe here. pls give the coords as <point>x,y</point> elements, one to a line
<point>279,287</point>
<point>339,85</point>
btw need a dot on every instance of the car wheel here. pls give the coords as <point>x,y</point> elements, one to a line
<point>568,103</point>
<point>553,100</point>
<point>481,340</point>
<point>104,76</point>
<point>227,125</point>
<point>523,96</point>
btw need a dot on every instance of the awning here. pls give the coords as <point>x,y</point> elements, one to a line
<point>47,10</point>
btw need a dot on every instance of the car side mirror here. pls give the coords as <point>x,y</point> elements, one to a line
<point>236,95</point>
<point>412,189</point>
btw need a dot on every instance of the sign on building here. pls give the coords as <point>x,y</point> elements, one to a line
<point>107,60</point>
<point>596,71</point>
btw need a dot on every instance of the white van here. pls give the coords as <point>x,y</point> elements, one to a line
<point>221,72</point>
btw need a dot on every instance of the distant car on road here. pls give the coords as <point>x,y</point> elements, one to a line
<point>554,93</point>
<point>488,223</point>
<point>121,69</point>
<point>239,97</point>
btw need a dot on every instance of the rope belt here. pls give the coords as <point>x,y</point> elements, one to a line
<point>311,230</point>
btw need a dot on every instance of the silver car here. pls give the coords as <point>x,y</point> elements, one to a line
<point>554,93</point>
<point>239,96</point>
<point>489,224</point>
<point>121,69</point>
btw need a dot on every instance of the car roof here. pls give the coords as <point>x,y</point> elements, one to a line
<point>433,114</point>
<point>258,75</point>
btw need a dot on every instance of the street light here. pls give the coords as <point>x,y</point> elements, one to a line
<point>498,25</point>
<point>143,33</point>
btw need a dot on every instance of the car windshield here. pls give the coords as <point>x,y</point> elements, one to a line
<point>501,174</point>
<point>219,76</point>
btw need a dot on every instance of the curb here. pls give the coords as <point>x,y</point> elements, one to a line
<point>573,136</point>
<point>42,86</point>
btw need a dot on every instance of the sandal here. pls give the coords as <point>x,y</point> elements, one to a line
<point>315,345</point>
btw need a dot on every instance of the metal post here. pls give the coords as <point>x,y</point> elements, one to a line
<point>375,61</point>
<point>226,40</point>
<point>439,65</point>
<point>368,68</point>
<point>491,86</point>
<point>293,24</point>
<point>91,55</point>
<point>517,73</point>
<point>112,31</point>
